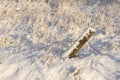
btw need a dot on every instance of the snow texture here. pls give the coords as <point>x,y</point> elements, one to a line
<point>35,34</point>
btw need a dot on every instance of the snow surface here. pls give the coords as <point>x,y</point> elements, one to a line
<point>34,34</point>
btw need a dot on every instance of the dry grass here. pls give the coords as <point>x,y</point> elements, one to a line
<point>65,16</point>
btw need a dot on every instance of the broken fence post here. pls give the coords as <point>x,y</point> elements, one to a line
<point>72,52</point>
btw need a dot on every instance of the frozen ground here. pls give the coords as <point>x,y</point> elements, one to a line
<point>34,34</point>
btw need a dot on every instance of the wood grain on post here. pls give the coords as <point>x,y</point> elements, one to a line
<point>79,44</point>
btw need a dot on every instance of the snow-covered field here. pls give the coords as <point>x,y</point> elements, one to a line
<point>35,34</point>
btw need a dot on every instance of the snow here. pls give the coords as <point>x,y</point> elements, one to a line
<point>35,36</point>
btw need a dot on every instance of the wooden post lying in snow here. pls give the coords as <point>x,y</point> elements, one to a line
<point>79,44</point>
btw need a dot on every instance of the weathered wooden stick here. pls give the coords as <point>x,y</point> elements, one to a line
<point>79,44</point>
